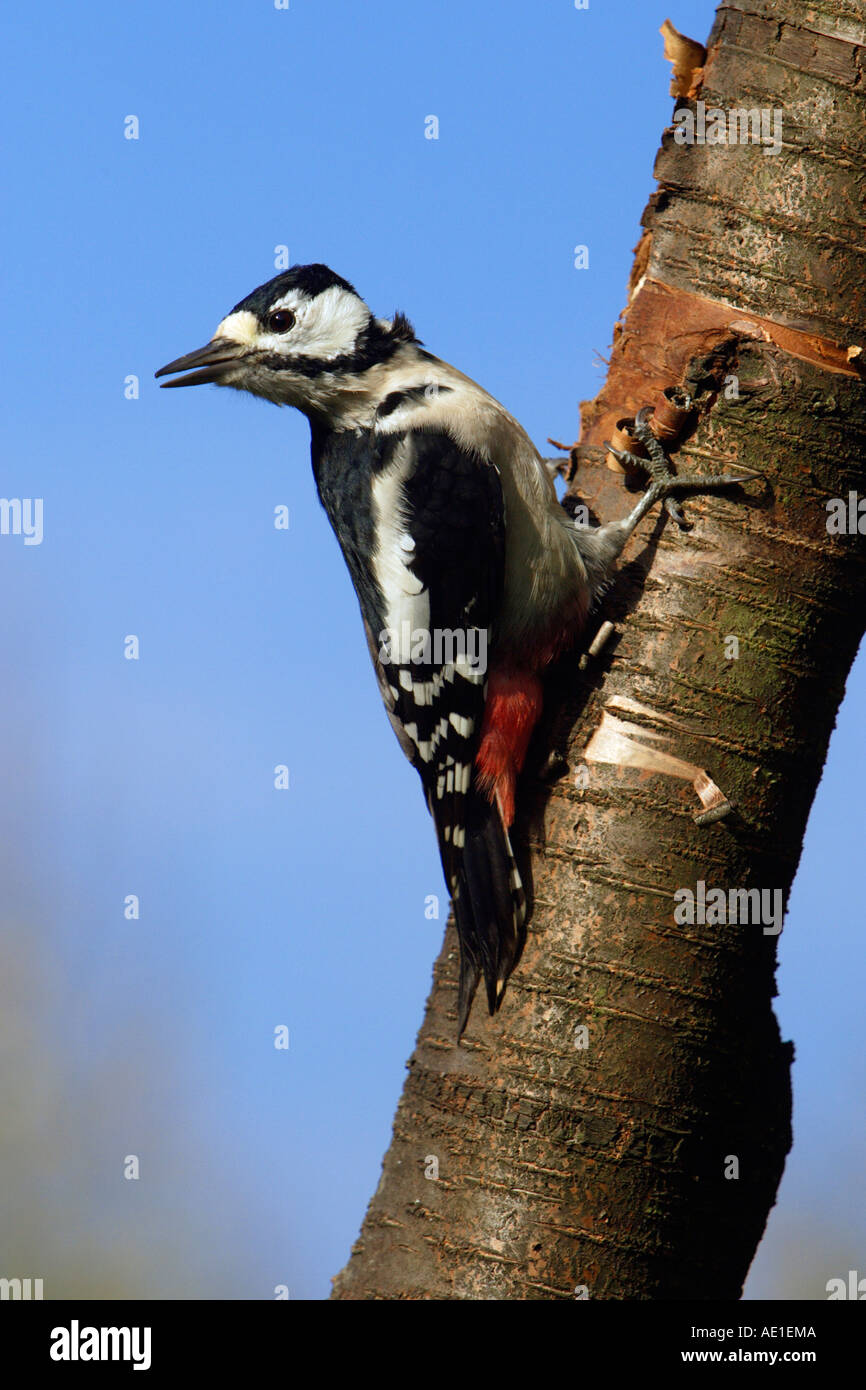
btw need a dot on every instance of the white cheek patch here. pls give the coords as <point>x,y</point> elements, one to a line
<point>329,325</point>
<point>242,327</point>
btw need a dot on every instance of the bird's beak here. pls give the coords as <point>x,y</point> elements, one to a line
<point>204,365</point>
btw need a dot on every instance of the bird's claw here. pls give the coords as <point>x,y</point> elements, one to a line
<point>665,482</point>
<point>623,456</point>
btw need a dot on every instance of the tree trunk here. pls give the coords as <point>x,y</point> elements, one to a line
<point>619,1130</point>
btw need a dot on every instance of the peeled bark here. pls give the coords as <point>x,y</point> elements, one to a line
<point>606,1169</point>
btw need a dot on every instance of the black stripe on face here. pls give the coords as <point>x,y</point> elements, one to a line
<point>373,346</point>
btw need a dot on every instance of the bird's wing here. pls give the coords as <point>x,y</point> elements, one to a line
<point>425,544</point>
<point>440,568</point>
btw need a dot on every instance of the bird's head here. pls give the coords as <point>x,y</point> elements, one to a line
<point>305,338</point>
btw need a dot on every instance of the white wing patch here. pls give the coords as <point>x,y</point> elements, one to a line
<point>407,603</point>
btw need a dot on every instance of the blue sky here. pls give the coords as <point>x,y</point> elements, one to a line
<point>261,128</point>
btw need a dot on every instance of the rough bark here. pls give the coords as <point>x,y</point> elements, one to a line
<point>562,1167</point>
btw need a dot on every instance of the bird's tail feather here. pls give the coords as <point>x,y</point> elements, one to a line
<point>489,906</point>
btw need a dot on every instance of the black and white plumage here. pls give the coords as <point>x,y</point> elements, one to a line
<point>470,576</point>
<point>421,524</point>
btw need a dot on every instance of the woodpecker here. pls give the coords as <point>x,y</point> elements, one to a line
<point>471,577</point>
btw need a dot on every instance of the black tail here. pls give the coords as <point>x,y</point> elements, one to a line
<point>489,906</point>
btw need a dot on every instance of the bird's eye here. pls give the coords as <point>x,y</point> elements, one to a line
<point>281,320</point>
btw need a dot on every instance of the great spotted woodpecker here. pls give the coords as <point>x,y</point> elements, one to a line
<point>471,577</point>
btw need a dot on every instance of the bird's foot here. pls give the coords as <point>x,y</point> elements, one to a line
<point>665,482</point>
